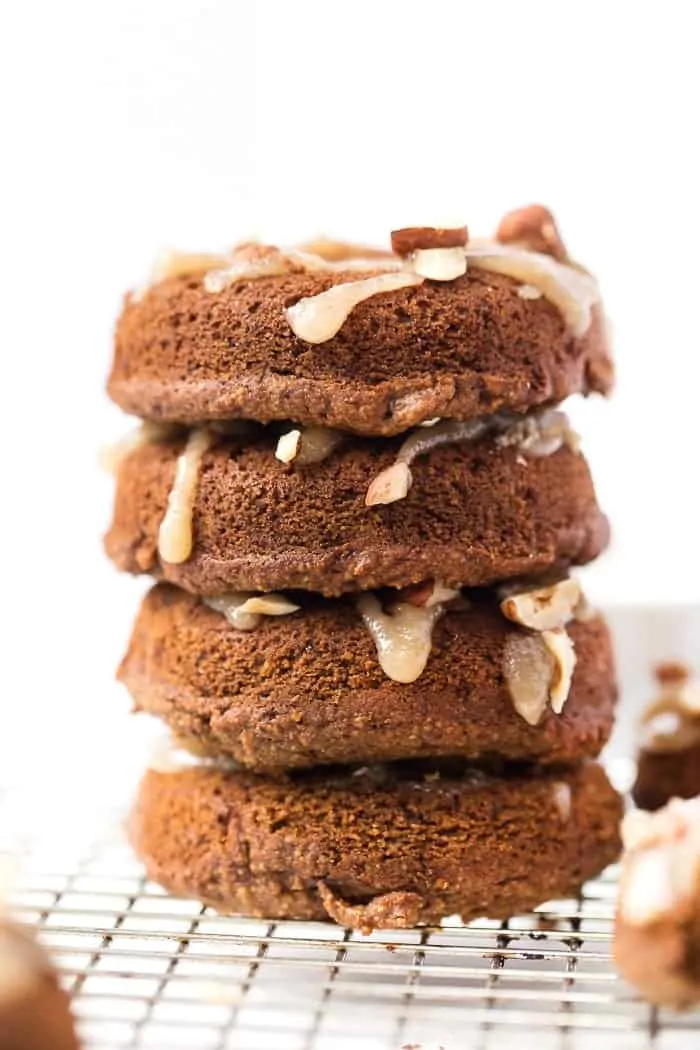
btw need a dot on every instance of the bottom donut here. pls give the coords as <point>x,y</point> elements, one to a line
<point>379,846</point>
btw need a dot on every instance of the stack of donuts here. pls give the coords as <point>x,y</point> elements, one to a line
<point>361,505</point>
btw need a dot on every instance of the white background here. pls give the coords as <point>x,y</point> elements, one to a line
<point>134,125</point>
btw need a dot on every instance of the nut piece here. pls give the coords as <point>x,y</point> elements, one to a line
<point>413,238</point>
<point>427,594</point>
<point>288,446</point>
<point>545,608</point>
<point>534,228</point>
<point>272,604</point>
<point>671,672</point>
<point>562,649</point>
<point>440,264</point>
<point>390,485</point>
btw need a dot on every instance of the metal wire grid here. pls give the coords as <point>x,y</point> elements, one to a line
<point>149,971</point>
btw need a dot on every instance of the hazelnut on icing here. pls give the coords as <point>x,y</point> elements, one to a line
<point>532,227</point>
<point>544,608</point>
<point>415,238</point>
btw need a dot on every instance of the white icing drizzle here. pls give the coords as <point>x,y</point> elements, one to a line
<point>175,533</point>
<point>403,637</point>
<point>661,865</point>
<point>307,445</point>
<point>245,610</point>
<point>344,253</point>
<point>318,318</point>
<point>248,265</point>
<point>112,456</point>
<point>573,291</point>
<point>184,264</point>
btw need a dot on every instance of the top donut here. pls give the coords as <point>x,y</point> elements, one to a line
<point>365,340</point>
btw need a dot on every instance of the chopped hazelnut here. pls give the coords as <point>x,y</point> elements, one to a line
<point>413,238</point>
<point>544,608</point>
<point>533,227</point>
<point>390,485</point>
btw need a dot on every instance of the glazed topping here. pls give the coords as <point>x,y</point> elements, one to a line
<point>403,636</point>
<point>112,457</point>
<point>307,445</point>
<point>185,264</point>
<point>346,252</point>
<point>672,721</point>
<point>573,291</point>
<point>175,534</point>
<point>537,434</point>
<point>245,610</point>
<point>543,608</point>
<point>538,669</point>
<point>540,433</point>
<point>319,317</point>
<point>250,261</point>
<point>661,866</point>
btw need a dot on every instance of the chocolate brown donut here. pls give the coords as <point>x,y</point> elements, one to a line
<point>306,689</point>
<point>454,349</point>
<point>376,848</point>
<point>476,513</point>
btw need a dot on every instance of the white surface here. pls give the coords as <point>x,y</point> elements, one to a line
<point>135,125</point>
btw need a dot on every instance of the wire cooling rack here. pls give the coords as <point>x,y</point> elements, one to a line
<point>149,971</point>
